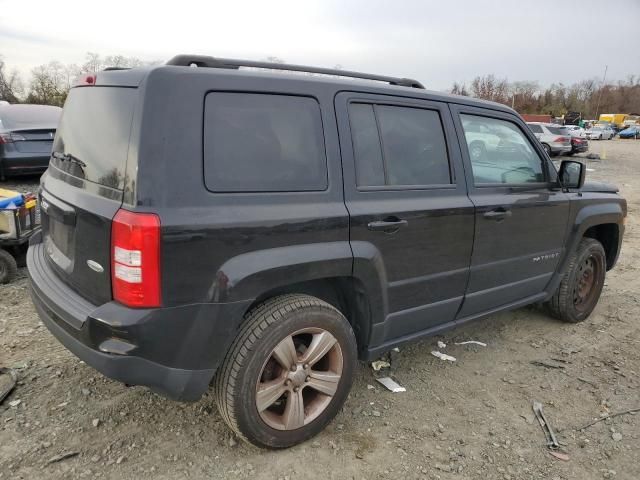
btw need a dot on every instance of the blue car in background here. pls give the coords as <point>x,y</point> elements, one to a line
<point>631,132</point>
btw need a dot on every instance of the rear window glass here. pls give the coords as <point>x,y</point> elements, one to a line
<point>263,143</point>
<point>14,117</point>
<point>93,136</point>
<point>535,128</point>
<point>558,130</point>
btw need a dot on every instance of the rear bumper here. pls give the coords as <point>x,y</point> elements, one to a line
<point>16,163</point>
<point>173,351</point>
<point>559,148</point>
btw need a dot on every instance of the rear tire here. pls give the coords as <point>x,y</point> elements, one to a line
<point>8,267</point>
<point>580,288</point>
<point>288,372</point>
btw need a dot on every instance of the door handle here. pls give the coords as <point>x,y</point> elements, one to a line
<point>499,214</point>
<point>389,225</point>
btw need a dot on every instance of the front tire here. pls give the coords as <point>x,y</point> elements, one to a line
<point>288,372</point>
<point>580,288</point>
<point>547,148</point>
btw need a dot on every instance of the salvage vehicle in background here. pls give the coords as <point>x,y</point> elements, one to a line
<point>578,145</point>
<point>631,132</point>
<point>575,130</point>
<point>26,138</point>
<point>554,139</point>
<point>311,221</point>
<point>599,132</point>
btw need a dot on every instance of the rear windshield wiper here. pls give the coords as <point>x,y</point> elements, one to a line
<point>67,157</point>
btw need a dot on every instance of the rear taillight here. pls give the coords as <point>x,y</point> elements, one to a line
<point>561,139</point>
<point>11,137</point>
<point>135,259</point>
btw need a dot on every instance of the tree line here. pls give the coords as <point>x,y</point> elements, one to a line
<point>588,97</point>
<point>49,84</point>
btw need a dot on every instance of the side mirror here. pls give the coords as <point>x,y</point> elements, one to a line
<point>572,174</point>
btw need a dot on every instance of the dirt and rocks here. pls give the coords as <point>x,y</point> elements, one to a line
<point>467,419</point>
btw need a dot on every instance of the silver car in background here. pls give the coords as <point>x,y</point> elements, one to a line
<point>555,139</point>
<point>600,133</point>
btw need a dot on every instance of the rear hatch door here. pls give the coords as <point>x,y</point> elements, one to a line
<point>83,187</point>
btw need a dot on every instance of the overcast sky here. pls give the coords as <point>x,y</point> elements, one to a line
<point>436,42</point>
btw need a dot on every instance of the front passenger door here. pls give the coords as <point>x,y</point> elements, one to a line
<point>521,216</point>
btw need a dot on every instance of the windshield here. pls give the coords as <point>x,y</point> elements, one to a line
<point>15,117</point>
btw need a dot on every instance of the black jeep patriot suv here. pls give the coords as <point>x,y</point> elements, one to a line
<point>263,231</point>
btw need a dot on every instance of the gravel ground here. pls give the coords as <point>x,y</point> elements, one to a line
<point>464,420</point>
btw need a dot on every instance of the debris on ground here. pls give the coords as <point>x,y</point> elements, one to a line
<point>443,356</point>
<point>593,156</point>
<point>559,455</point>
<point>441,344</point>
<point>552,441</point>
<point>62,456</point>
<point>391,384</point>
<point>541,363</point>
<point>380,364</point>
<point>8,380</point>
<point>474,342</point>
<point>631,411</point>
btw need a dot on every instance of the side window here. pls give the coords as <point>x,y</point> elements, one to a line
<point>398,146</point>
<point>366,145</point>
<point>501,155</point>
<point>534,128</point>
<point>263,143</point>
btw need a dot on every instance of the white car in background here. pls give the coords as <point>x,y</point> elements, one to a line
<point>599,133</point>
<point>575,131</point>
<point>555,139</point>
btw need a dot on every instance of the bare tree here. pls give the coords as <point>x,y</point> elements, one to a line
<point>49,84</point>
<point>491,88</point>
<point>11,86</point>
<point>459,89</point>
<point>93,63</point>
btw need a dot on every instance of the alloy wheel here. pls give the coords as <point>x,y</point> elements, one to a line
<point>299,379</point>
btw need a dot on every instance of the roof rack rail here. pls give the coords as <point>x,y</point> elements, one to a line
<point>230,63</point>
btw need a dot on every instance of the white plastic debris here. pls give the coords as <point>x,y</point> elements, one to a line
<point>441,344</point>
<point>380,364</point>
<point>391,385</point>
<point>443,356</point>
<point>474,342</point>
<point>15,403</point>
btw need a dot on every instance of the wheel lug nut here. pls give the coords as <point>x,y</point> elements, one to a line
<point>307,379</point>
<point>306,366</point>
<point>296,389</point>
<point>288,382</point>
<point>293,368</point>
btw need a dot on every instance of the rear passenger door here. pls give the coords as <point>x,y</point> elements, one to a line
<point>409,211</point>
<point>521,214</point>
